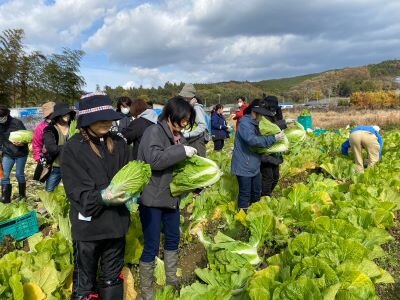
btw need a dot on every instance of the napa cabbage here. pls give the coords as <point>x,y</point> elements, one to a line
<point>21,136</point>
<point>196,172</point>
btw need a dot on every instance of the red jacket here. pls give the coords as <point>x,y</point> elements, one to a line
<point>239,114</point>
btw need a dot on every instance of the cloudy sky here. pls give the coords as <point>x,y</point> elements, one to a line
<point>132,43</point>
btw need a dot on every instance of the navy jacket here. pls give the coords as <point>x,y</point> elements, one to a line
<point>219,128</point>
<point>245,162</point>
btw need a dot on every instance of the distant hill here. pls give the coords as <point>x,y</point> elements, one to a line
<point>333,83</point>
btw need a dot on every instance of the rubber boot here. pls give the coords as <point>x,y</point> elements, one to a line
<point>146,272</point>
<point>6,193</point>
<point>171,265</point>
<point>22,190</point>
<point>114,292</point>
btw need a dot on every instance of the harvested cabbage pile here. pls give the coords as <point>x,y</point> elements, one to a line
<point>21,136</point>
<point>196,172</point>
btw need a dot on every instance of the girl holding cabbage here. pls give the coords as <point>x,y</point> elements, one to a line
<point>11,152</point>
<point>162,146</point>
<point>245,162</point>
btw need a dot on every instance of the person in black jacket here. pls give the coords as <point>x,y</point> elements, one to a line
<point>55,136</point>
<point>11,153</point>
<point>270,163</point>
<point>99,218</point>
<point>123,107</point>
<point>144,117</point>
<point>162,147</point>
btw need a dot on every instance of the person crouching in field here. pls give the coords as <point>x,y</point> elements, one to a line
<point>99,218</point>
<point>245,163</point>
<point>364,137</point>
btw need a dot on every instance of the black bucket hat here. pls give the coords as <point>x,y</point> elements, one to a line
<point>4,111</point>
<point>271,103</point>
<point>261,109</point>
<point>95,107</point>
<point>62,109</point>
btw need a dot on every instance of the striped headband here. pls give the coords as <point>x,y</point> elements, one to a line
<point>95,109</point>
<point>93,94</point>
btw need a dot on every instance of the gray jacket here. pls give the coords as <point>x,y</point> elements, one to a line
<point>158,149</point>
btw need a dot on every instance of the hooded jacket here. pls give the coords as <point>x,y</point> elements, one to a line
<point>6,146</point>
<point>158,149</point>
<point>136,128</point>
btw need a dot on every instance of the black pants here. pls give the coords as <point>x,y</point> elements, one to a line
<point>87,255</point>
<point>270,178</point>
<point>219,144</point>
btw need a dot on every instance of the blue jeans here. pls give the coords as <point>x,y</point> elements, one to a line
<point>249,190</point>
<point>8,163</point>
<point>54,179</point>
<point>152,218</point>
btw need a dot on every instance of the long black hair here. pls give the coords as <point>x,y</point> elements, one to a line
<point>178,109</point>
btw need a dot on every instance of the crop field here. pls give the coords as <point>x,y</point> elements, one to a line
<point>326,233</point>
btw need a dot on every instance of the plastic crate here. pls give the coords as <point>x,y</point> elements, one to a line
<point>21,227</point>
<point>306,121</point>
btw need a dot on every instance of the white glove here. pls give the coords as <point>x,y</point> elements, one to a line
<point>280,136</point>
<point>111,198</point>
<point>190,151</point>
<point>288,121</point>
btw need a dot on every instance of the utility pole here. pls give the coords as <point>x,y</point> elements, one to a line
<point>219,98</point>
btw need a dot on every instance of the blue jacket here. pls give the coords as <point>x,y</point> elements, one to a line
<point>245,162</point>
<point>218,126</point>
<point>346,145</point>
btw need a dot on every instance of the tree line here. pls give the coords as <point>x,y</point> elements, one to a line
<point>30,78</point>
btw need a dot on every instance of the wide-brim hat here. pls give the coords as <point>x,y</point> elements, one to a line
<point>62,109</point>
<point>95,107</point>
<point>188,91</point>
<point>48,109</point>
<point>261,110</point>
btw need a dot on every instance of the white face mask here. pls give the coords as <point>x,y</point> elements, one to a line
<point>240,104</point>
<point>66,118</point>
<point>3,120</point>
<point>125,110</point>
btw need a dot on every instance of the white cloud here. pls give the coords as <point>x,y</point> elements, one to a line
<point>50,26</point>
<point>211,40</point>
